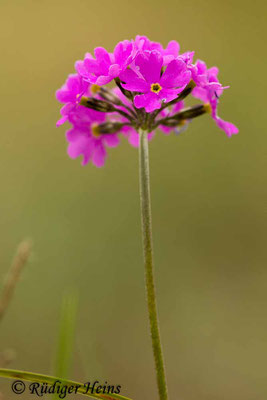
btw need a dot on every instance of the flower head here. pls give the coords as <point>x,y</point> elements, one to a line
<point>152,83</point>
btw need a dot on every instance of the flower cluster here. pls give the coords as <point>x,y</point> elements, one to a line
<point>151,83</point>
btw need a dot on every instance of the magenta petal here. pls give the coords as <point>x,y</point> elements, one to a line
<point>61,121</point>
<point>229,128</point>
<point>133,138</point>
<point>123,52</point>
<point>111,140</point>
<point>133,82</point>
<point>176,74</point>
<point>74,83</point>
<point>102,55</point>
<point>79,66</point>
<point>213,71</point>
<point>91,66</point>
<point>114,70</point>
<point>149,101</point>
<point>65,112</point>
<point>201,94</point>
<point>167,95</point>
<point>201,66</point>
<point>99,155</point>
<point>79,144</point>
<point>67,108</point>
<point>150,64</point>
<point>187,57</point>
<point>64,96</point>
<point>172,48</point>
<point>103,80</point>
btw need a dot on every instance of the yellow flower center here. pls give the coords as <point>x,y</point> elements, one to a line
<point>155,87</point>
<point>95,89</point>
<point>95,130</point>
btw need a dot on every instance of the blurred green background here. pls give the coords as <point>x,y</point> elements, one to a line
<point>208,202</point>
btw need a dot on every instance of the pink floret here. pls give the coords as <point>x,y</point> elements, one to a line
<point>147,72</point>
<point>82,141</point>
<point>209,89</point>
<point>104,67</point>
<point>70,94</point>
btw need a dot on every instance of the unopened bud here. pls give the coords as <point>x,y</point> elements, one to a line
<point>106,128</point>
<point>180,118</point>
<point>207,107</point>
<point>96,104</point>
<point>192,112</point>
<point>171,122</point>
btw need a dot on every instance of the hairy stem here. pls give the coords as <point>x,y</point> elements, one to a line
<point>149,268</point>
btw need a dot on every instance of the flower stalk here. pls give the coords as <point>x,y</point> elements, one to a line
<point>149,265</point>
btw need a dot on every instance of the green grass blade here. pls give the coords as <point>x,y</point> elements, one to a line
<point>50,380</point>
<point>64,353</point>
<point>66,335</point>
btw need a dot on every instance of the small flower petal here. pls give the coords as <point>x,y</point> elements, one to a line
<point>133,81</point>
<point>150,64</point>
<point>176,74</point>
<point>149,101</point>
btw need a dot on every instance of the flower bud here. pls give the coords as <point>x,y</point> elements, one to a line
<point>186,114</point>
<point>192,112</point>
<point>96,104</point>
<point>109,127</point>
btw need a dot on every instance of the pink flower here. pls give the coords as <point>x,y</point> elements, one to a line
<point>147,79</point>
<point>209,89</point>
<point>170,53</point>
<point>106,66</point>
<point>70,94</point>
<point>229,128</point>
<point>84,138</point>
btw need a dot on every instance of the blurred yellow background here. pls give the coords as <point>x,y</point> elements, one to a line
<point>208,203</point>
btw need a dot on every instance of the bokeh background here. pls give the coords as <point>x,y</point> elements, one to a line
<point>208,201</point>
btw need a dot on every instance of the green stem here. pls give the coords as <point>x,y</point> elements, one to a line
<point>149,269</point>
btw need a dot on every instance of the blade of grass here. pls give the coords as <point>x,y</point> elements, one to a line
<point>50,380</point>
<point>20,259</point>
<point>66,337</point>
